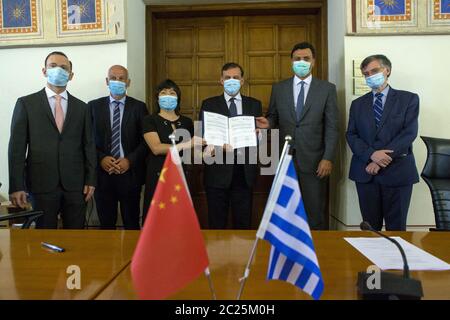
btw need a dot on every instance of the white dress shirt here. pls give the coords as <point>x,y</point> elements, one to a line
<point>237,101</point>
<point>298,86</point>
<point>52,101</point>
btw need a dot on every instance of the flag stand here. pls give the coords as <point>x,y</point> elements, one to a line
<point>243,280</point>
<point>207,272</point>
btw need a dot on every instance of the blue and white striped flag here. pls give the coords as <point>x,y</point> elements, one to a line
<point>285,226</point>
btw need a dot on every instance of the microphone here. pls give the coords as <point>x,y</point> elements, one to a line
<point>391,286</point>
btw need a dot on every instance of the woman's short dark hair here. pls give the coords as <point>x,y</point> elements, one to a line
<point>168,84</point>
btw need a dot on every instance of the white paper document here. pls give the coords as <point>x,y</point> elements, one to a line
<point>386,255</point>
<point>239,132</point>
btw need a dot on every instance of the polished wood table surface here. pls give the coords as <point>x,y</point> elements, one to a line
<point>340,263</point>
<point>28,271</point>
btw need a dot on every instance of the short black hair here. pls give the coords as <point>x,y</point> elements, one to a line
<point>304,45</point>
<point>384,61</point>
<point>58,53</point>
<point>232,65</point>
<point>168,84</point>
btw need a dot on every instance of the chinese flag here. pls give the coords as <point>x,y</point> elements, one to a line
<point>171,251</point>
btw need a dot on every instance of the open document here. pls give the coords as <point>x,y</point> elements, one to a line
<point>239,132</point>
<point>386,255</point>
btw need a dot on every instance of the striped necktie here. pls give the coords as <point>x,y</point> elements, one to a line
<point>378,108</point>
<point>115,140</point>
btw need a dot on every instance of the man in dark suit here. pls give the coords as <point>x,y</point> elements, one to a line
<point>117,121</point>
<point>231,183</point>
<point>305,108</point>
<point>52,150</point>
<point>382,127</point>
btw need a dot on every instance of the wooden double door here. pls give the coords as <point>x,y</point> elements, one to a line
<point>192,50</point>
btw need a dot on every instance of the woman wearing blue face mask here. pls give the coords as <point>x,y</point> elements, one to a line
<point>157,128</point>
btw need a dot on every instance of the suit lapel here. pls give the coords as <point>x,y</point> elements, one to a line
<point>367,104</point>
<point>47,109</point>
<point>309,98</point>
<point>223,106</point>
<point>69,112</point>
<point>289,93</point>
<point>388,106</point>
<point>126,114</point>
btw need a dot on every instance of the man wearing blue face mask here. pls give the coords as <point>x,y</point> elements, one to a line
<point>230,184</point>
<point>121,151</point>
<point>305,108</point>
<point>382,127</point>
<point>52,150</point>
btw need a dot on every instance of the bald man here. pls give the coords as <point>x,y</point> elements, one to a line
<point>121,151</point>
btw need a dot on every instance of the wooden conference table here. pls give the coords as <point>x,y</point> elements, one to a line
<point>27,271</point>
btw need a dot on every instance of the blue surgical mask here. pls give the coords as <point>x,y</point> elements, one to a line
<point>168,102</point>
<point>117,88</point>
<point>57,76</point>
<point>232,86</point>
<point>376,81</point>
<point>301,68</point>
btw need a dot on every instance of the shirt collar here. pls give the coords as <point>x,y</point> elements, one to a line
<point>50,93</point>
<point>238,97</point>
<point>307,81</point>
<point>384,92</point>
<point>122,101</point>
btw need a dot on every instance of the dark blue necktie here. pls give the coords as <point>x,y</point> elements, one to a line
<point>300,100</point>
<point>115,140</point>
<point>233,108</point>
<point>378,108</point>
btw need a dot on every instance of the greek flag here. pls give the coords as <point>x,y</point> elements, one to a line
<point>285,226</point>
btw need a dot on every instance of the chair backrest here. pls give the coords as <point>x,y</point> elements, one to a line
<point>438,159</point>
<point>436,174</point>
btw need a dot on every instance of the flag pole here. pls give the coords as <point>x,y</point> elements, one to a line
<point>243,280</point>
<point>172,138</point>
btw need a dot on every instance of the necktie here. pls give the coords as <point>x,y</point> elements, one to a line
<point>300,100</point>
<point>115,145</point>
<point>233,108</point>
<point>378,108</point>
<point>59,113</point>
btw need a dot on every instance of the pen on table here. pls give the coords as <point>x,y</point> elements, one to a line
<point>52,247</point>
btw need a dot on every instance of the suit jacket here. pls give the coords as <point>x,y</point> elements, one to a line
<point>133,144</point>
<point>220,175</point>
<point>397,131</point>
<point>53,158</point>
<point>316,134</point>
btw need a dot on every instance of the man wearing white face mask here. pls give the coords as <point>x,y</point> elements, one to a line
<point>121,151</point>
<point>305,108</point>
<point>52,150</point>
<point>230,184</point>
<point>382,127</point>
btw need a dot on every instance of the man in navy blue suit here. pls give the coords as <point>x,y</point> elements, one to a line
<point>382,127</point>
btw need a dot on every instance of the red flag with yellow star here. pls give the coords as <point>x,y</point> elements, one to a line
<point>171,251</point>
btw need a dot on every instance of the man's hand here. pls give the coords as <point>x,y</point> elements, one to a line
<point>324,169</point>
<point>88,191</point>
<point>373,169</point>
<point>209,151</point>
<point>382,158</point>
<point>123,165</point>
<point>108,164</point>
<point>262,123</point>
<point>198,141</point>
<point>19,199</point>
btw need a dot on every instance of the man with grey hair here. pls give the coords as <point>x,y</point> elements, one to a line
<point>121,151</point>
<point>382,127</point>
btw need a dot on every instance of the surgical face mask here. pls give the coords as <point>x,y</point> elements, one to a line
<point>117,88</point>
<point>376,81</point>
<point>301,68</point>
<point>232,86</point>
<point>57,76</point>
<point>168,102</point>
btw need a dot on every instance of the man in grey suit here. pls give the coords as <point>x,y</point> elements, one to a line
<point>306,108</point>
<point>52,151</point>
